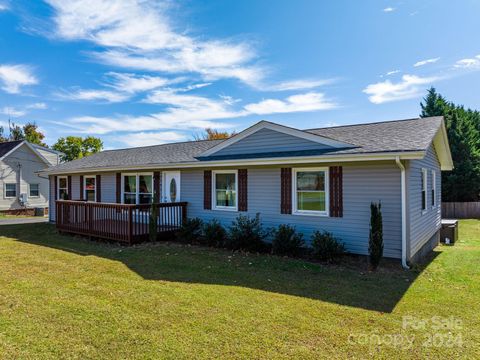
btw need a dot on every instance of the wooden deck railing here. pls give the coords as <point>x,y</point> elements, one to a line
<point>120,222</point>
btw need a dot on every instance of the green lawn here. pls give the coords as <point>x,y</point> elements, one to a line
<point>66,297</point>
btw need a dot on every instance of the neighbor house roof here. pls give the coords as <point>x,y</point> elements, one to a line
<point>8,146</point>
<point>401,137</point>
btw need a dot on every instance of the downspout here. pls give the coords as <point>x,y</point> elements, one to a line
<point>404,211</point>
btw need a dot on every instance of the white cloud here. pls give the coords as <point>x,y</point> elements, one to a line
<point>392,72</point>
<point>132,83</point>
<point>37,106</point>
<point>152,138</point>
<point>409,87</point>
<point>13,112</point>
<point>299,84</point>
<point>4,6</point>
<point>138,35</point>
<point>469,63</point>
<point>425,62</point>
<point>13,77</point>
<point>388,9</point>
<point>93,95</point>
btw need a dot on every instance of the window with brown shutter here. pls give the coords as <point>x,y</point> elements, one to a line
<point>118,185</point>
<point>207,189</point>
<point>55,180</point>
<point>98,188</point>
<point>69,185</point>
<point>81,187</point>
<point>286,191</point>
<point>336,191</point>
<point>156,187</point>
<point>242,190</point>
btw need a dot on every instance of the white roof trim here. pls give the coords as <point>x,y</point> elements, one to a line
<point>275,127</point>
<point>317,159</point>
<point>440,142</point>
<point>31,148</point>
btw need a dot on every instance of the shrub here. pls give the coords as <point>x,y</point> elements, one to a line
<point>326,246</point>
<point>286,241</point>
<point>214,234</point>
<point>375,242</point>
<point>152,223</point>
<point>191,231</point>
<point>247,234</point>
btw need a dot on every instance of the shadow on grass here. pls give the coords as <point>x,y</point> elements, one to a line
<point>346,284</point>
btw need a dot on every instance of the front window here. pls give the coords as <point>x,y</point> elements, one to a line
<point>311,191</point>
<point>62,188</point>
<point>424,189</point>
<point>90,188</point>
<point>34,190</point>
<point>137,188</point>
<point>11,190</point>
<point>225,190</point>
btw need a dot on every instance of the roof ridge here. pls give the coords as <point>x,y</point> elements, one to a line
<point>172,143</point>
<point>371,123</point>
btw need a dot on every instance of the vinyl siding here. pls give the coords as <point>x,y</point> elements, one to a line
<point>423,225</point>
<point>50,156</point>
<point>266,140</point>
<point>11,173</point>
<point>362,185</point>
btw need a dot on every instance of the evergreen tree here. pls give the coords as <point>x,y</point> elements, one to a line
<point>463,130</point>
<point>375,242</point>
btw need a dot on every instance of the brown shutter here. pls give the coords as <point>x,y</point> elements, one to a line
<point>98,188</point>
<point>81,187</point>
<point>156,186</point>
<point>286,191</point>
<point>118,187</point>
<point>207,189</point>
<point>336,191</point>
<point>55,186</point>
<point>69,187</point>
<point>242,190</point>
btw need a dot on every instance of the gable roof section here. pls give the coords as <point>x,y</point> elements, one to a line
<point>10,147</point>
<point>409,139</point>
<point>315,138</point>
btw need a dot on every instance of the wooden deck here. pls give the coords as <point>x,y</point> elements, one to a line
<point>125,223</point>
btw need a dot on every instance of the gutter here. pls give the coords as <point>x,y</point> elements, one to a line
<point>404,211</point>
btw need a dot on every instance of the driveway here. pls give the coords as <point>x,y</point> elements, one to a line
<point>19,221</point>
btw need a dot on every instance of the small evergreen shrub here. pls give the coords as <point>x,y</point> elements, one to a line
<point>214,234</point>
<point>286,241</point>
<point>247,234</point>
<point>326,247</point>
<point>153,223</point>
<point>375,242</point>
<point>190,232</point>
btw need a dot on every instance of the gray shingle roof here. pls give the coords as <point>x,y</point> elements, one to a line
<point>390,136</point>
<point>5,147</point>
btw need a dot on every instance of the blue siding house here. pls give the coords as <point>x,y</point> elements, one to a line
<point>315,179</point>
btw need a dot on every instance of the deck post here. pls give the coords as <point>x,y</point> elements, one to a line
<point>130,225</point>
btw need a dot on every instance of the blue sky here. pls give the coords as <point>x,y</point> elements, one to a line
<point>147,72</point>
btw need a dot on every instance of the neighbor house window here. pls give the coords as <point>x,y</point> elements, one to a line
<point>225,189</point>
<point>310,191</point>
<point>10,190</point>
<point>34,190</point>
<point>62,188</point>
<point>137,188</point>
<point>424,189</point>
<point>89,188</point>
<point>434,189</point>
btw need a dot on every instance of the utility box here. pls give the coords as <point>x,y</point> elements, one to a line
<point>449,231</point>
<point>39,211</point>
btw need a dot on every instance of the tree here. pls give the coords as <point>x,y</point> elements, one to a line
<point>33,135</point>
<point>213,134</point>
<point>463,130</point>
<point>375,242</point>
<point>76,147</point>
<point>16,132</point>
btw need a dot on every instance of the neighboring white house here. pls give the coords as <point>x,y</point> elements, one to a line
<point>20,184</point>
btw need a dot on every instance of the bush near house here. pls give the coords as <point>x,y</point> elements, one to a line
<point>326,247</point>
<point>214,234</point>
<point>190,232</point>
<point>287,241</point>
<point>247,234</point>
<point>375,243</point>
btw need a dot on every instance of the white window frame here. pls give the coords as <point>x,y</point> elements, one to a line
<point>295,210</point>
<point>214,190</point>
<point>424,189</point>
<point>30,191</point>
<point>137,188</point>
<point>5,190</point>
<point>84,195</point>
<point>433,191</point>
<point>59,188</point>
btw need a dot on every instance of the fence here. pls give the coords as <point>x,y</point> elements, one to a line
<point>461,210</point>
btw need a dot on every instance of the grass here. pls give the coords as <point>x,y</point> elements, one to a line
<point>66,297</point>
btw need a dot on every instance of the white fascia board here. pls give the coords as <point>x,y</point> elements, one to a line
<point>279,128</point>
<point>253,162</point>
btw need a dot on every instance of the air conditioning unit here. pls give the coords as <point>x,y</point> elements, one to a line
<point>22,199</point>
